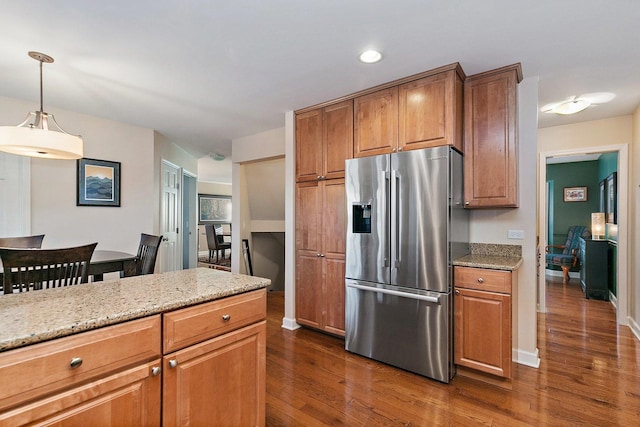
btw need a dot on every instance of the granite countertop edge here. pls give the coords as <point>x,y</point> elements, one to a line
<point>509,263</point>
<point>39,316</point>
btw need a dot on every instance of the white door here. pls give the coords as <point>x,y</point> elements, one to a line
<point>170,218</point>
<point>15,195</point>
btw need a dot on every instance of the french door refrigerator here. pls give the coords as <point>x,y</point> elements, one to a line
<point>406,222</point>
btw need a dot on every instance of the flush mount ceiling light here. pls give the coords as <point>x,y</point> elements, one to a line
<point>34,137</point>
<point>370,56</point>
<point>217,156</point>
<point>575,104</point>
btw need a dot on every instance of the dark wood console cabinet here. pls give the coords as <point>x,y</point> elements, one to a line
<point>594,271</point>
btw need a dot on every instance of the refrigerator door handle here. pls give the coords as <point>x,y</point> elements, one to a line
<point>382,208</point>
<point>434,300</point>
<point>396,177</point>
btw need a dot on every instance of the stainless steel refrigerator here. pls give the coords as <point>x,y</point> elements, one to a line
<point>406,222</point>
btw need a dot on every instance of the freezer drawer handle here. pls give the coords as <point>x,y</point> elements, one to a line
<point>426,298</point>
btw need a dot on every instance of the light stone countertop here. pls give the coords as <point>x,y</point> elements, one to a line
<point>493,256</point>
<point>31,317</point>
<point>494,262</point>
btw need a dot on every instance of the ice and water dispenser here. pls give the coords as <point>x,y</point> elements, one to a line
<point>361,214</point>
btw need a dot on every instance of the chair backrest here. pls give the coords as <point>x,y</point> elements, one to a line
<point>35,269</point>
<point>573,238</point>
<point>212,238</point>
<point>147,253</point>
<point>24,242</point>
<point>219,231</point>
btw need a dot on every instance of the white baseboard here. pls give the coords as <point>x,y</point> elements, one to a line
<point>526,358</point>
<point>635,328</point>
<point>289,324</point>
<point>613,300</point>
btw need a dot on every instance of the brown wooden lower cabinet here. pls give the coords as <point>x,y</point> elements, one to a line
<point>216,383</point>
<point>320,257</point>
<point>212,373</point>
<point>482,318</point>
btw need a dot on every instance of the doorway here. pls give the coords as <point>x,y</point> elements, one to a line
<point>621,263</point>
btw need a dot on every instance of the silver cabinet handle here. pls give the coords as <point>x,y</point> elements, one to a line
<point>318,255</point>
<point>480,280</point>
<point>321,255</point>
<point>226,317</point>
<point>173,363</point>
<point>155,371</point>
<point>457,292</point>
<point>319,177</point>
<point>76,362</point>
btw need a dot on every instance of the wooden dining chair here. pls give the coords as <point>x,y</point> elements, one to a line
<point>34,269</point>
<point>215,241</point>
<point>24,242</point>
<point>147,254</point>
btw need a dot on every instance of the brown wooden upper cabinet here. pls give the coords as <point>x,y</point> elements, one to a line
<point>490,138</point>
<point>324,140</point>
<point>420,113</point>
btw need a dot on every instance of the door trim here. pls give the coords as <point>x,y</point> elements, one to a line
<point>622,312</point>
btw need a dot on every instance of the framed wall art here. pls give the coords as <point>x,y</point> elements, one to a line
<point>98,183</point>
<point>612,199</point>
<point>214,209</point>
<point>575,194</point>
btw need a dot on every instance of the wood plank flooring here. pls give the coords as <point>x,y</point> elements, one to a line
<point>589,375</point>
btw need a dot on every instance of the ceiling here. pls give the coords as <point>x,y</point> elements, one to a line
<point>204,72</point>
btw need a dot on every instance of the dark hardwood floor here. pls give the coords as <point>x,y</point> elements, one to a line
<point>589,375</point>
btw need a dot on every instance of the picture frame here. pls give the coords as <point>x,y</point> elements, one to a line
<point>575,194</point>
<point>612,199</point>
<point>98,182</point>
<point>214,209</point>
<point>603,196</point>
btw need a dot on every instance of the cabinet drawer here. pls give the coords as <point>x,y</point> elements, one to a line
<point>482,279</point>
<point>33,371</point>
<point>195,324</point>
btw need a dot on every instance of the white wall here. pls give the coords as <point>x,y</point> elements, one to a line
<point>248,155</point>
<point>634,223</point>
<point>491,226</point>
<point>214,188</point>
<point>53,183</point>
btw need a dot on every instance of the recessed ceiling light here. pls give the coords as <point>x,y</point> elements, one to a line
<point>370,56</point>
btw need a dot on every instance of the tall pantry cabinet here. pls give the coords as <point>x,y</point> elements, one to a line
<point>324,140</point>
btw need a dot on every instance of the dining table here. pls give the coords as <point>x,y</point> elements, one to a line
<point>104,261</point>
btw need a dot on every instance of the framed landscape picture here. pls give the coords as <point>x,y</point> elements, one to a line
<point>214,209</point>
<point>575,194</point>
<point>98,183</point>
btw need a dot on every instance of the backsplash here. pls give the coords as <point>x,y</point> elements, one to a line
<point>493,249</point>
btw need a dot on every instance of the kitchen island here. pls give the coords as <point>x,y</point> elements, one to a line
<point>103,353</point>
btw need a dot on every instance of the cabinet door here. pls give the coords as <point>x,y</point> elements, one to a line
<point>337,138</point>
<point>490,140</point>
<point>376,123</point>
<point>309,145</point>
<point>308,253</point>
<point>220,382</point>
<point>483,331</point>
<point>431,112</point>
<point>128,398</point>
<point>333,255</point>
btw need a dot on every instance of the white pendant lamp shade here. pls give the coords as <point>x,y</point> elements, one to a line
<point>40,135</point>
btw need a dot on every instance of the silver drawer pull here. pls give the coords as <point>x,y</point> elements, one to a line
<point>155,371</point>
<point>226,317</point>
<point>173,363</point>
<point>480,280</point>
<point>76,362</point>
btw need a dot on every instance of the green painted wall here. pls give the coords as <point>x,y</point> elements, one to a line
<point>566,214</point>
<point>607,163</point>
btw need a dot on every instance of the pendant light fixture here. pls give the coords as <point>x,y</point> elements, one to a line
<point>40,135</point>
